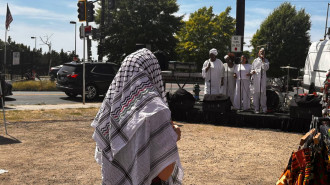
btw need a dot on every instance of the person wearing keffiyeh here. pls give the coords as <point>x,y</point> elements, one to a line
<point>135,139</point>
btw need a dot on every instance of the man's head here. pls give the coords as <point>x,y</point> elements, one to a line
<point>261,52</point>
<point>213,54</point>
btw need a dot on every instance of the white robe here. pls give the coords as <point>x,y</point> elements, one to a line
<point>229,83</point>
<point>259,78</point>
<point>212,76</point>
<point>242,91</point>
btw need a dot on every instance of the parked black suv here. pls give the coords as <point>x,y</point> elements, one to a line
<point>53,72</point>
<point>98,77</point>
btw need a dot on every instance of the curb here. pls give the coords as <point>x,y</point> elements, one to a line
<point>48,107</point>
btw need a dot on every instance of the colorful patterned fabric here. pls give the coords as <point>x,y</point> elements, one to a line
<point>133,130</point>
<point>308,167</point>
<point>285,178</point>
<point>300,179</point>
<point>320,174</point>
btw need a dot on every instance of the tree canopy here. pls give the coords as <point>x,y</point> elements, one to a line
<point>148,22</point>
<point>203,31</point>
<point>30,58</point>
<point>286,31</point>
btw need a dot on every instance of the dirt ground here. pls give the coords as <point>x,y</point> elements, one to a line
<point>61,152</point>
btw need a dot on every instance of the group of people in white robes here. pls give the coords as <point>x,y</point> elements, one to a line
<point>236,80</point>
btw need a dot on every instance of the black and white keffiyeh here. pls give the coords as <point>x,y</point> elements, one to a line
<point>133,133</point>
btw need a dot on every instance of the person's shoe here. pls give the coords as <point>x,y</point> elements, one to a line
<point>256,112</point>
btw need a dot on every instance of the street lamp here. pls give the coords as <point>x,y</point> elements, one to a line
<point>75,36</point>
<point>34,50</point>
<point>35,42</point>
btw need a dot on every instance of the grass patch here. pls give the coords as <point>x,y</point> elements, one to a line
<point>76,113</point>
<point>44,85</point>
<point>48,115</point>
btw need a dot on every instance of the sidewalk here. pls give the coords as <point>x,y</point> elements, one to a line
<point>58,106</point>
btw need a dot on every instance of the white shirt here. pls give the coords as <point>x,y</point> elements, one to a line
<point>241,71</point>
<point>212,76</point>
<point>260,68</point>
<point>229,84</point>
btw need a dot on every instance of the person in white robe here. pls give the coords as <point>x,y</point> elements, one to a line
<point>258,70</point>
<point>229,84</point>
<point>212,72</point>
<point>242,91</point>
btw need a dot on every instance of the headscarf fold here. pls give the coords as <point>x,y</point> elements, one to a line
<point>133,131</point>
<point>214,51</point>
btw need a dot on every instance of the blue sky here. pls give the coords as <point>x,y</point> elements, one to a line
<point>45,18</point>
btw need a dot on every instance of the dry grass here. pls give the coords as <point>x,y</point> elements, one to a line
<point>43,85</point>
<point>55,147</point>
<point>49,115</point>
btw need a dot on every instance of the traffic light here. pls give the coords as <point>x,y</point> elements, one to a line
<point>111,4</point>
<point>81,10</point>
<point>96,34</point>
<point>89,51</point>
<point>90,11</point>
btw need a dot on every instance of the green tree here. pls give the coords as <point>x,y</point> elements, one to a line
<point>285,31</point>
<point>30,59</point>
<point>205,30</point>
<point>149,22</point>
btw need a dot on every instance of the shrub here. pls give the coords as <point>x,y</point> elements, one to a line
<point>44,85</point>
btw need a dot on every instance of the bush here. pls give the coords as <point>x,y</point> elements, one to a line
<point>44,85</point>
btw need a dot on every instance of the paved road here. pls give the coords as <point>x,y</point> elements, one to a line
<point>58,97</point>
<point>189,87</point>
<point>42,98</point>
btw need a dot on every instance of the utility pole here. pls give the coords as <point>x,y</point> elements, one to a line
<point>326,23</point>
<point>89,18</point>
<point>240,19</point>
<point>100,48</point>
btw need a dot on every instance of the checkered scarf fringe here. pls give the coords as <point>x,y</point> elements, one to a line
<point>133,132</point>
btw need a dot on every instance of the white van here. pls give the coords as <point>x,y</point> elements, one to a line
<point>317,65</point>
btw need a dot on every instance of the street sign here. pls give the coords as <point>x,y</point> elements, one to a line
<point>16,57</point>
<point>236,42</point>
<point>82,31</point>
<point>88,30</point>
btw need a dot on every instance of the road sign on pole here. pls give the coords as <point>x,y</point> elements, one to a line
<point>16,58</point>
<point>88,30</point>
<point>84,48</point>
<point>82,31</point>
<point>236,43</point>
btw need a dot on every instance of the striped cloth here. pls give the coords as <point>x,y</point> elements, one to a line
<point>133,132</point>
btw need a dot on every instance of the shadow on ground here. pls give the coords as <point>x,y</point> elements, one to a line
<point>80,99</point>
<point>8,140</point>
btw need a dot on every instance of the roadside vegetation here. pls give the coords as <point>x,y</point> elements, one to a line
<point>36,116</point>
<point>43,85</point>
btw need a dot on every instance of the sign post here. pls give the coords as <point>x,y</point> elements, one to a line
<point>236,43</point>
<point>83,35</point>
